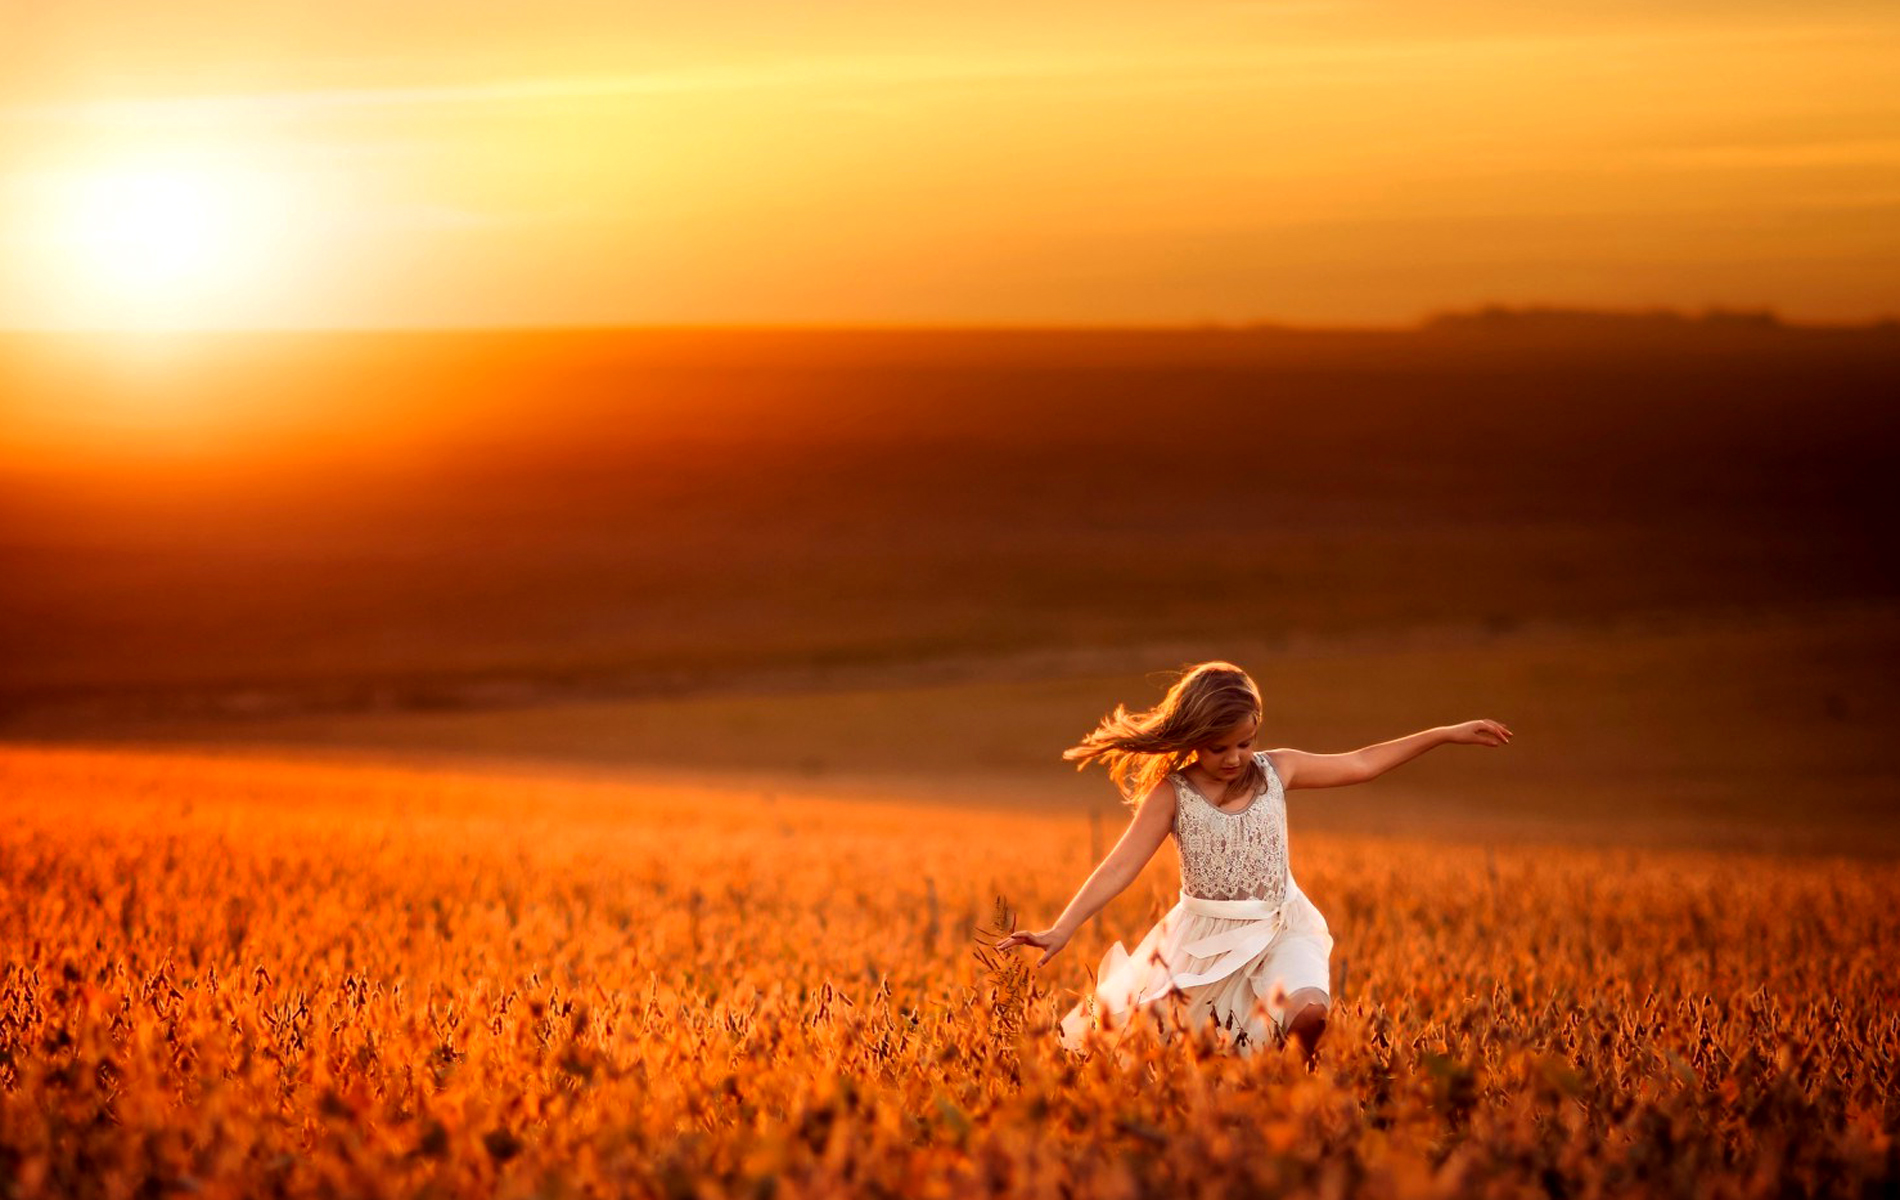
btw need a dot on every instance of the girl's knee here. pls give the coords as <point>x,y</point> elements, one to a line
<point>1307,1011</point>
<point>1308,1002</point>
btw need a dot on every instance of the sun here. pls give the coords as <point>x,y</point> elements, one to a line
<point>150,228</point>
<point>159,242</point>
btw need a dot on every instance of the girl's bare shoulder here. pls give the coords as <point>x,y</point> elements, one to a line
<point>1159,801</point>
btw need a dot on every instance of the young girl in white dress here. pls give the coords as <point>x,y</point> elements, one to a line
<point>1243,946</point>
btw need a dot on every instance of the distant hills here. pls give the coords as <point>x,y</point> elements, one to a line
<point>1664,321</point>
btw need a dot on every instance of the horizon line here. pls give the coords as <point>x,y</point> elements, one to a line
<point>1709,314</point>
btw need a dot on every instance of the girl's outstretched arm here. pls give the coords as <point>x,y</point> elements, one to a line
<point>1299,769</point>
<point>1118,869</point>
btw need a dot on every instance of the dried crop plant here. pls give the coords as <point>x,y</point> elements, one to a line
<point>1012,987</point>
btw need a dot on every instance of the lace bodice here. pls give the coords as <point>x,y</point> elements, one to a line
<point>1232,855</point>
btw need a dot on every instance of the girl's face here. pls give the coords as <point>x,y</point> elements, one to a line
<point>1226,755</point>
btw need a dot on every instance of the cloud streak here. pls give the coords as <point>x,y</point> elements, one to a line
<point>1860,151</point>
<point>880,71</point>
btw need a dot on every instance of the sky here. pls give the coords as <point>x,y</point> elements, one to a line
<point>234,163</point>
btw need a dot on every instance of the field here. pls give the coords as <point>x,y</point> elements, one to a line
<point>237,978</point>
<point>586,763</point>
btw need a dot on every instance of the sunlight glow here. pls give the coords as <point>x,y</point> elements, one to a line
<point>158,242</point>
<point>142,229</point>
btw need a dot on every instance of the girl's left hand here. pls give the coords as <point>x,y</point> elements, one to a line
<point>1479,733</point>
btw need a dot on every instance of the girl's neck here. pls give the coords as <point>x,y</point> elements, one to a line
<point>1215,789</point>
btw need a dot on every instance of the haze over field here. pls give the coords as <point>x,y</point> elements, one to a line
<point>410,505</point>
<point>1662,545</point>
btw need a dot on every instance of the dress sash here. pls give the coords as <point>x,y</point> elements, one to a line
<point>1244,909</point>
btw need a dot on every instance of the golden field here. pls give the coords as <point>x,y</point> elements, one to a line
<point>584,762</point>
<point>230,977</point>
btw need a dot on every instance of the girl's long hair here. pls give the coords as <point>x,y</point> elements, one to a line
<point>1139,749</point>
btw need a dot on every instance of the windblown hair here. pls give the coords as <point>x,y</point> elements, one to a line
<point>1139,749</point>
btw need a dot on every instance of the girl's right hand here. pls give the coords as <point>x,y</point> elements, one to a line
<point>1480,733</point>
<point>1051,941</point>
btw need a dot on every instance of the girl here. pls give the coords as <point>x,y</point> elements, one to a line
<point>1243,942</point>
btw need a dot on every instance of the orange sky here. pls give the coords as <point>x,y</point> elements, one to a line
<point>1313,161</point>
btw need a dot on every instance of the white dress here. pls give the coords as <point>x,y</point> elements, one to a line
<point>1241,926</point>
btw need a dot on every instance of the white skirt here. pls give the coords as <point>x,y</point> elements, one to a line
<point>1231,961</point>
